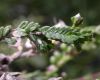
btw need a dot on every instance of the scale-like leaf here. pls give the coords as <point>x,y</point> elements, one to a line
<point>1,32</point>
<point>67,35</point>
<point>59,34</point>
<point>23,24</point>
<point>42,45</point>
<point>6,30</point>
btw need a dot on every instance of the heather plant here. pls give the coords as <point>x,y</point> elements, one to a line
<point>61,43</point>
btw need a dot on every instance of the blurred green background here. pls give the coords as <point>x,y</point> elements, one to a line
<point>44,12</point>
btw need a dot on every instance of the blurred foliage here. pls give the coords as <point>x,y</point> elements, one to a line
<point>45,10</point>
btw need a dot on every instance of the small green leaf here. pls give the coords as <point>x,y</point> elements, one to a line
<point>1,31</point>
<point>42,45</point>
<point>10,41</point>
<point>6,30</point>
<point>20,32</point>
<point>32,26</point>
<point>23,24</point>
